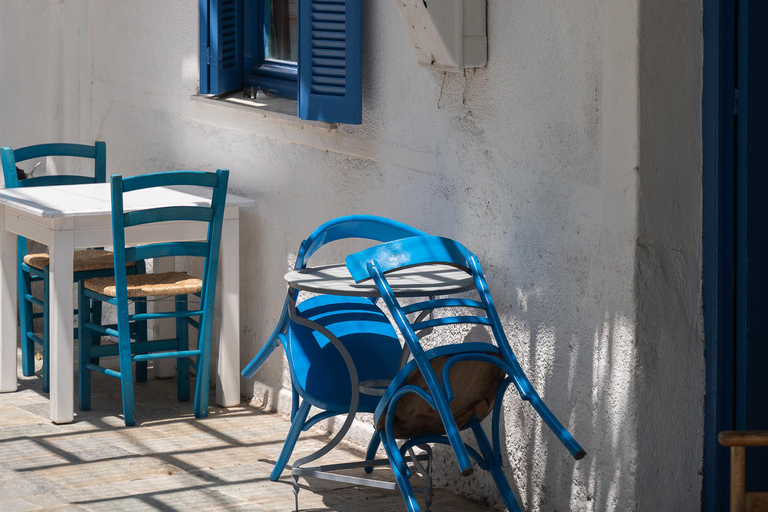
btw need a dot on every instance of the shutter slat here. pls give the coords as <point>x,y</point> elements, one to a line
<point>331,27</point>
<point>318,34</point>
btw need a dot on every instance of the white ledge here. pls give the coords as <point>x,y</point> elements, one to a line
<point>278,109</point>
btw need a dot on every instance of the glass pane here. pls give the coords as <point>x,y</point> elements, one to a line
<point>280,30</point>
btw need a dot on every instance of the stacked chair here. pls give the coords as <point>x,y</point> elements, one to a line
<point>35,267</point>
<point>447,389</point>
<point>333,342</point>
<point>123,289</point>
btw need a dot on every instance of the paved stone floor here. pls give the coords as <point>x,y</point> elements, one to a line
<point>169,462</point>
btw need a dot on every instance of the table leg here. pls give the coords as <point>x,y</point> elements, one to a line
<point>61,325</point>
<point>228,303</point>
<point>8,307</point>
<point>163,329</point>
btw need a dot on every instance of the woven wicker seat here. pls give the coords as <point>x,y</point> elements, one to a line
<point>166,284</point>
<point>96,259</point>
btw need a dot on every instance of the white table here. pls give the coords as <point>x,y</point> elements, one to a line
<point>72,217</point>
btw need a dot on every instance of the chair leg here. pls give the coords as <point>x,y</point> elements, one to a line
<point>46,333</point>
<point>126,374</point>
<point>554,424</point>
<point>297,424</point>
<point>141,335</point>
<point>495,468</point>
<point>403,483</point>
<point>95,308</point>
<point>182,363</point>
<point>373,446</point>
<point>203,365</point>
<point>26,323</point>
<point>84,338</point>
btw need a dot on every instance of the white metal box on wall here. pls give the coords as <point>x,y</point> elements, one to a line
<point>447,34</point>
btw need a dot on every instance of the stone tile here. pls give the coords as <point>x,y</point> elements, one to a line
<point>18,485</point>
<point>39,409</point>
<point>31,463</point>
<point>90,474</point>
<point>75,497</point>
<point>16,506</point>
<point>24,447</point>
<point>29,430</point>
<point>175,481</point>
<point>15,416</point>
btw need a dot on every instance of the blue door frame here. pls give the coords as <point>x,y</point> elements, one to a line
<point>735,241</point>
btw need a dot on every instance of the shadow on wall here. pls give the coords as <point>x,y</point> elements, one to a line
<point>589,383</point>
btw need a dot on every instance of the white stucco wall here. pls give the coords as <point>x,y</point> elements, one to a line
<point>536,162</point>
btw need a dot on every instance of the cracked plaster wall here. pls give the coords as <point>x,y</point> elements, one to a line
<point>570,165</point>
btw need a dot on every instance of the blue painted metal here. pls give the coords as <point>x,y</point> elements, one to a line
<point>142,350</point>
<point>330,61</point>
<point>27,274</point>
<point>376,262</point>
<point>318,372</point>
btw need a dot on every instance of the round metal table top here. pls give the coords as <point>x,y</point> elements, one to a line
<point>421,281</point>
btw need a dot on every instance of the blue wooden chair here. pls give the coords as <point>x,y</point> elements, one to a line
<point>34,267</point>
<point>333,330</point>
<point>122,289</point>
<point>453,387</point>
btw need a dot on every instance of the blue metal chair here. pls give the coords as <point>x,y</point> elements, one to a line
<point>453,387</point>
<point>329,336</point>
<point>122,289</point>
<point>34,267</point>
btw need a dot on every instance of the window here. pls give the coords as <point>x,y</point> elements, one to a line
<point>308,50</point>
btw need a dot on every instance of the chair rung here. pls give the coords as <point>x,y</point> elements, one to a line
<point>166,355</point>
<point>101,329</point>
<point>145,347</point>
<point>169,314</point>
<point>106,350</point>
<point>451,320</point>
<point>34,337</point>
<point>442,303</point>
<point>37,315</point>
<point>193,323</point>
<point>34,300</point>
<point>105,371</point>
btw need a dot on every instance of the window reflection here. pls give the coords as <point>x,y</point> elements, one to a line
<point>280,30</point>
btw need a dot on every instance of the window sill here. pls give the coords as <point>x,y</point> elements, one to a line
<point>278,109</point>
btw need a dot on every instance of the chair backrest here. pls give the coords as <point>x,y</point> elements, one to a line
<point>213,215</point>
<point>10,157</point>
<point>369,227</point>
<point>375,262</point>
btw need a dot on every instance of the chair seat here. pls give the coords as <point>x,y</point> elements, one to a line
<point>96,259</point>
<point>166,284</point>
<point>474,385</point>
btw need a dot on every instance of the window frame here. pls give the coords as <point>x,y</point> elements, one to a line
<point>328,83</point>
<point>278,77</point>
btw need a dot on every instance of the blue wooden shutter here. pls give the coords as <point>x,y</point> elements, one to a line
<point>221,46</point>
<point>330,61</point>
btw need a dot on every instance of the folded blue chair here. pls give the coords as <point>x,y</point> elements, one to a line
<point>34,267</point>
<point>333,340</point>
<point>445,390</point>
